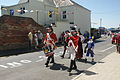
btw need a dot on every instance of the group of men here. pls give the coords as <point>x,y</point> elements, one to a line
<point>36,38</point>
<point>73,40</point>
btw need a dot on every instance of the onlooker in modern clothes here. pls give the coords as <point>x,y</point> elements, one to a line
<point>30,36</point>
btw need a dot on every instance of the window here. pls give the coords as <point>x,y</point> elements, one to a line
<point>11,12</point>
<point>64,14</point>
<point>22,10</point>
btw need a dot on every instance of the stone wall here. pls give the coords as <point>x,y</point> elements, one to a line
<point>14,31</point>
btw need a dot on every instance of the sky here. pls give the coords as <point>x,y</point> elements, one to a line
<point>108,11</point>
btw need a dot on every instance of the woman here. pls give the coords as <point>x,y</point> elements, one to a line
<point>79,54</point>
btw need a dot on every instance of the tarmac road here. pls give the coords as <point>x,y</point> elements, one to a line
<point>31,66</point>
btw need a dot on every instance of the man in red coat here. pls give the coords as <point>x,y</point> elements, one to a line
<point>66,40</point>
<point>73,48</point>
<point>118,42</point>
<point>50,39</point>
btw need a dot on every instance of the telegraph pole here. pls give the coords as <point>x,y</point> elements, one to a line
<point>100,22</point>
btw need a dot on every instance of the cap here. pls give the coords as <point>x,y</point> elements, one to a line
<point>48,27</point>
<point>72,28</point>
<point>67,31</point>
<point>90,37</point>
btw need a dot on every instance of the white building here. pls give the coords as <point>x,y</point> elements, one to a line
<point>64,13</point>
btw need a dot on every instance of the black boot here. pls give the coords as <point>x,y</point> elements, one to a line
<point>48,59</point>
<point>71,65</point>
<point>63,53</point>
<point>52,57</point>
<point>74,63</point>
<point>85,60</point>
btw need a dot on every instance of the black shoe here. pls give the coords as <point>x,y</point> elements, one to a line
<point>52,62</point>
<point>46,64</point>
<point>74,68</point>
<point>70,74</point>
<point>69,70</point>
<point>92,60</point>
<point>85,60</point>
<point>62,56</point>
<point>68,57</point>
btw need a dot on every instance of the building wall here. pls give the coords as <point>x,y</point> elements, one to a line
<point>39,14</point>
<point>60,27</point>
<point>69,12</point>
<point>49,20</point>
<point>82,18</point>
<point>75,14</point>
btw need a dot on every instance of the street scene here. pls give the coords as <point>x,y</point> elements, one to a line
<point>31,65</point>
<point>59,40</point>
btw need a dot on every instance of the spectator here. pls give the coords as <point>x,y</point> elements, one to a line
<point>30,36</point>
<point>40,37</point>
<point>36,39</point>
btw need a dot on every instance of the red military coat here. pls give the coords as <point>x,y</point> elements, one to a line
<point>50,38</point>
<point>75,40</point>
<point>77,43</point>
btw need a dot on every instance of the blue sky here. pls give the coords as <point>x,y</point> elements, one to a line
<point>107,10</point>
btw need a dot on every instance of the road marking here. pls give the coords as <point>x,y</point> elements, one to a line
<point>25,61</point>
<point>20,63</point>
<point>14,64</point>
<point>3,66</point>
<point>107,48</point>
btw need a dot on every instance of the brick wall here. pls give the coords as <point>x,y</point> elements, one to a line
<point>14,31</point>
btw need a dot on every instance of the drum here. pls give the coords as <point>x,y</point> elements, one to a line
<point>48,51</point>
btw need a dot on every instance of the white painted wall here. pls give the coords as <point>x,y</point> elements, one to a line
<point>69,10</point>
<point>41,17</point>
<point>82,18</point>
<point>60,27</point>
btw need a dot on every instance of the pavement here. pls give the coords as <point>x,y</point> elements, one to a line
<point>106,69</point>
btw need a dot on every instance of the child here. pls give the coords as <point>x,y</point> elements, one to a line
<point>89,47</point>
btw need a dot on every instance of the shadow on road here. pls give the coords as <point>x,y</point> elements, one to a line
<point>98,41</point>
<point>76,73</point>
<point>7,53</point>
<point>89,62</point>
<point>16,52</point>
<point>57,66</point>
<point>86,72</point>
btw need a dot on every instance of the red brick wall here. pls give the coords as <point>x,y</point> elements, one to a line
<point>14,31</point>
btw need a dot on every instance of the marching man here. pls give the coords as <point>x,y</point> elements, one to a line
<point>89,51</point>
<point>73,47</point>
<point>66,36</point>
<point>49,41</point>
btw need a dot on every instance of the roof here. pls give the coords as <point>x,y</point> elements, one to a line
<point>55,3</point>
<point>79,5</point>
<point>60,3</point>
<point>22,1</point>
